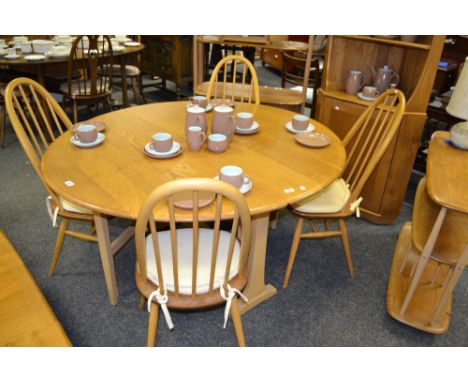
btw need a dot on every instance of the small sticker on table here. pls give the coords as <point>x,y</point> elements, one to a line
<point>69,183</point>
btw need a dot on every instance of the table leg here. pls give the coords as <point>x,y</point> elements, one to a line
<point>123,76</point>
<point>102,233</point>
<point>256,291</point>
<point>107,250</point>
<point>425,255</point>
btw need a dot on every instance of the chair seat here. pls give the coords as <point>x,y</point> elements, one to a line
<point>78,88</point>
<point>72,207</point>
<point>184,257</point>
<point>130,71</point>
<point>331,199</point>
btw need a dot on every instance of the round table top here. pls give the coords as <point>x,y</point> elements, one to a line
<point>59,60</point>
<point>116,177</point>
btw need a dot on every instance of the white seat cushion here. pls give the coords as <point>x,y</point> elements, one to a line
<point>184,256</point>
<point>130,70</point>
<point>72,207</point>
<point>331,199</point>
<point>78,87</point>
<point>309,95</point>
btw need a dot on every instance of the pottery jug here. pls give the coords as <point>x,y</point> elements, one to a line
<point>355,81</point>
<point>383,77</point>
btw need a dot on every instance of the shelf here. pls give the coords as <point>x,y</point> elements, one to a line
<point>396,43</point>
<point>343,96</point>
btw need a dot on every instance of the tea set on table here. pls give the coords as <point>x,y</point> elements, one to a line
<point>382,79</point>
<point>224,125</point>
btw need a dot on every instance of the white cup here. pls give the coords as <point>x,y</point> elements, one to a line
<point>233,175</point>
<point>2,43</point>
<point>162,142</point>
<point>26,47</point>
<point>11,52</point>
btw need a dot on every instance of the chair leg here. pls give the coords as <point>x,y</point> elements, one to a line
<point>345,242</point>
<point>237,322</point>
<point>58,245</point>
<point>141,303</point>
<point>140,86</point>
<point>274,219</point>
<point>292,254</point>
<point>153,324</point>
<point>2,125</point>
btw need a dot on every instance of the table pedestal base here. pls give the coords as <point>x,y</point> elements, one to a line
<point>427,295</point>
<point>256,291</point>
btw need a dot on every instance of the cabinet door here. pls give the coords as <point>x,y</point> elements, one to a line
<point>338,115</point>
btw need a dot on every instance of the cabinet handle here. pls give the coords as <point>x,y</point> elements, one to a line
<point>276,56</point>
<point>337,107</point>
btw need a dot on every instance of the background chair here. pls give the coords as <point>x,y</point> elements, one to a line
<point>38,120</point>
<point>229,81</point>
<point>133,72</point>
<point>365,145</point>
<point>190,268</point>
<point>90,88</point>
<point>293,72</point>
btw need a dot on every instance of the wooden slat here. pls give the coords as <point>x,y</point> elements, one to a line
<point>232,242</point>
<point>195,243</point>
<point>157,255</point>
<point>214,251</point>
<point>174,251</point>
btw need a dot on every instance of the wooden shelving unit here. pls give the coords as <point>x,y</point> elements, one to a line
<point>416,64</point>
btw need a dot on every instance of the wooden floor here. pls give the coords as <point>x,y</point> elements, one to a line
<point>427,295</point>
<point>26,318</point>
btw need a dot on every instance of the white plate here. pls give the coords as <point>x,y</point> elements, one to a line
<point>175,148</point>
<point>365,98</point>
<point>255,127</point>
<point>12,56</point>
<point>246,187</point>
<point>131,44</point>
<point>207,109</point>
<point>35,57</point>
<point>289,127</point>
<point>99,140</point>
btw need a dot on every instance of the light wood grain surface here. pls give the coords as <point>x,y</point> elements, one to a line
<point>26,318</point>
<point>116,177</point>
<point>447,173</point>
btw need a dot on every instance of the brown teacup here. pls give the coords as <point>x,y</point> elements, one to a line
<point>195,137</point>
<point>370,91</point>
<point>86,133</point>
<point>217,143</point>
<point>244,120</point>
<point>300,122</point>
<point>162,142</point>
<point>196,116</point>
<point>199,100</point>
<point>233,175</point>
<point>224,121</point>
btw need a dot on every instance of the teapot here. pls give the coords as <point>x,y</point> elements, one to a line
<point>384,77</point>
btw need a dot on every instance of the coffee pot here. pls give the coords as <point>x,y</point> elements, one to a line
<point>383,77</point>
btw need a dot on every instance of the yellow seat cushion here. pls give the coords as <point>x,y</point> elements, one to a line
<point>331,199</point>
<point>184,258</point>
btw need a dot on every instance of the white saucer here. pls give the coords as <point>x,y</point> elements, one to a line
<point>12,56</point>
<point>98,141</point>
<point>35,57</point>
<point>172,152</point>
<point>131,44</point>
<point>365,98</point>
<point>289,127</point>
<point>207,109</point>
<point>246,187</point>
<point>251,130</point>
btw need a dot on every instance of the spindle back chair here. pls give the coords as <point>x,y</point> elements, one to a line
<point>229,90</point>
<point>38,120</point>
<point>191,265</point>
<point>365,143</point>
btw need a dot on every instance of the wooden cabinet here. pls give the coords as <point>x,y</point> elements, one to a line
<point>168,57</point>
<point>274,57</point>
<point>416,64</point>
